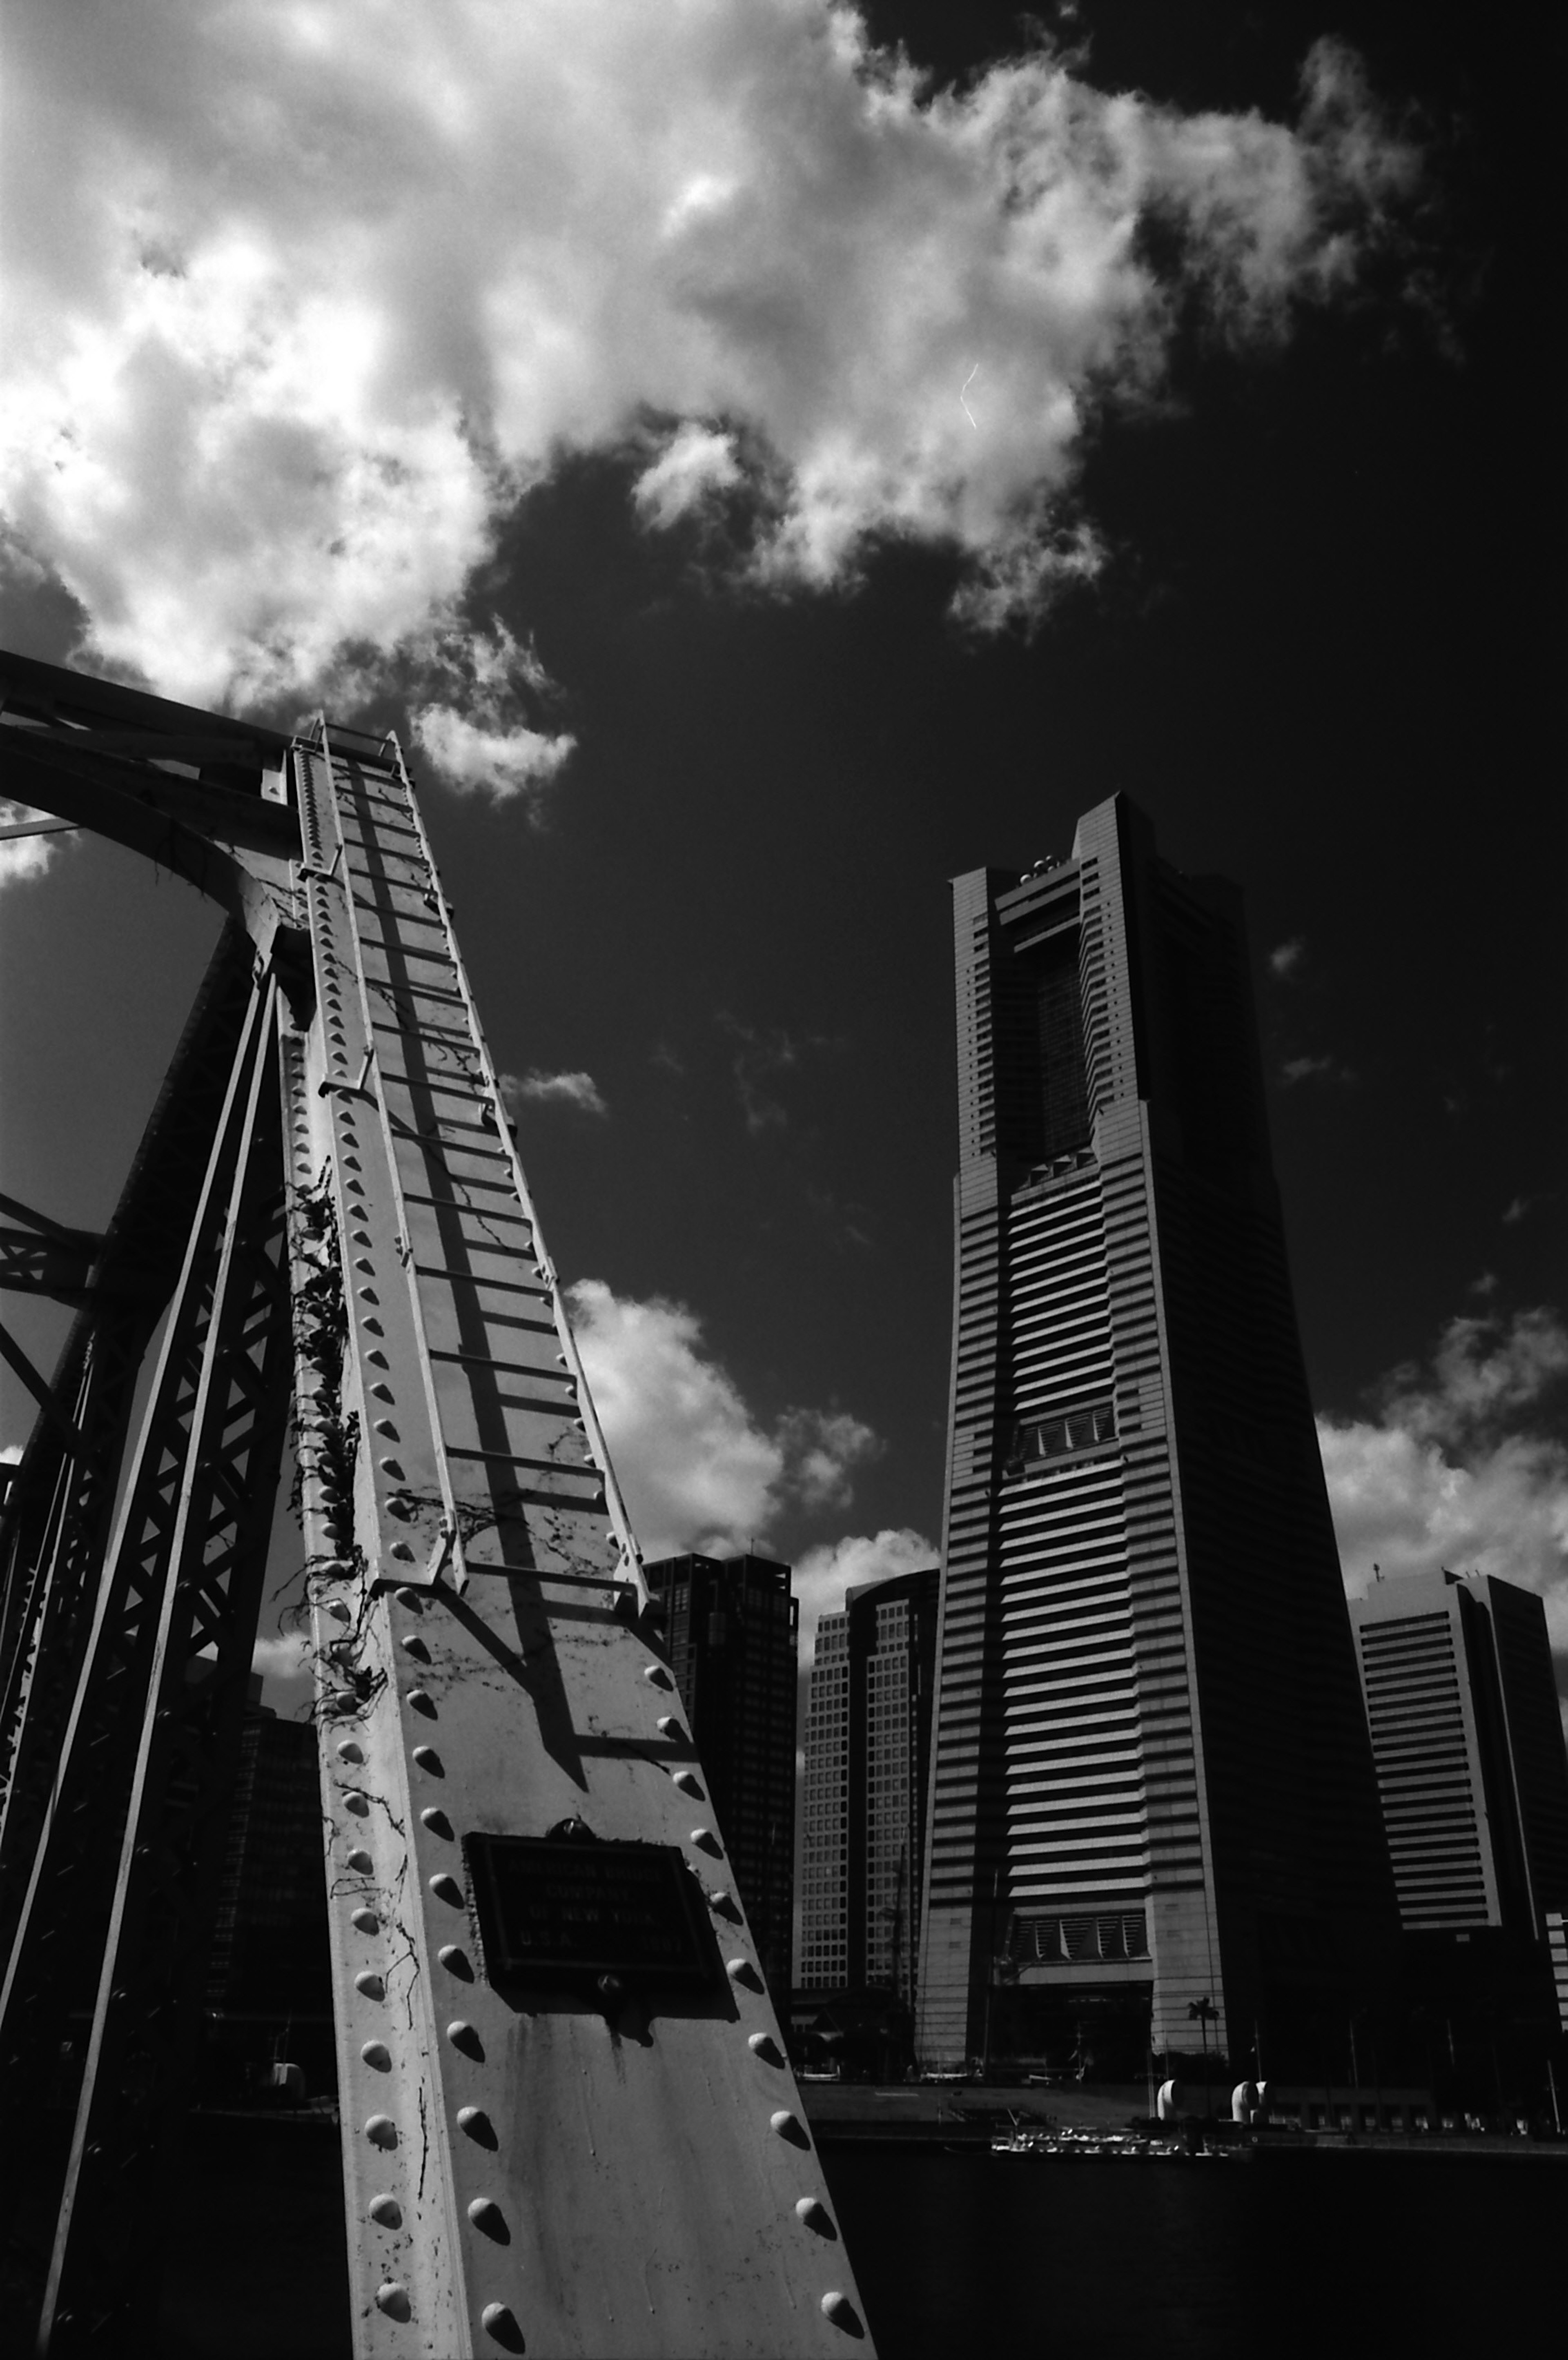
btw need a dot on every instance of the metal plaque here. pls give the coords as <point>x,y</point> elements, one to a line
<point>561,1909</point>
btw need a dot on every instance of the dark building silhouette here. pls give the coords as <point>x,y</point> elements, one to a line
<point>730,1626</point>
<point>1153,1813</point>
<point>269,1978</point>
<point>868,1732</point>
<point>1467,1738</point>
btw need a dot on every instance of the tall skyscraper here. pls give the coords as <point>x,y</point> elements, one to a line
<point>1153,1813</point>
<point>1468,1743</point>
<point>732,1627</point>
<point>867,1758</point>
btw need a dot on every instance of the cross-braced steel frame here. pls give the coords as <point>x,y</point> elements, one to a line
<point>327,1219</point>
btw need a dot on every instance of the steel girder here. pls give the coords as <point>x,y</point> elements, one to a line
<point>581,2162</point>
<point>124,1870</point>
<point>55,1530</point>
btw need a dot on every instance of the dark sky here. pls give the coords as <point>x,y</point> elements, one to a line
<point>1323,658</point>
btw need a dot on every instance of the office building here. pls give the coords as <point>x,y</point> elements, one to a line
<point>268,1982</point>
<point>1153,1815</point>
<point>866,1762</point>
<point>730,1627</point>
<point>1467,1739</point>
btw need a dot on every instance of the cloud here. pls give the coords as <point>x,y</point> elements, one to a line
<point>305,301</point>
<point>1287,958</point>
<point>468,716</point>
<point>1323,1069</point>
<point>697,1469</point>
<point>763,1055</point>
<point>693,467</point>
<point>23,856</point>
<point>1459,1467</point>
<point>823,1575</point>
<point>284,1657</point>
<point>580,1091</point>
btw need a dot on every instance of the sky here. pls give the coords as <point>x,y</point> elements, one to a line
<point>765,461</point>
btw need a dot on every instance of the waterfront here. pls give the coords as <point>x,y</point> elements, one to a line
<point>964,2252</point>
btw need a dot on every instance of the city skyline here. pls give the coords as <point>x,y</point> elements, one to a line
<point>710,945</point>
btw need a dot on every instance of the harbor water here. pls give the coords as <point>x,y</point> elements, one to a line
<point>966,2252</point>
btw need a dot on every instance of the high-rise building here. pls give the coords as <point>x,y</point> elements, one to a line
<point>1153,1813</point>
<point>1467,1739</point>
<point>868,1730</point>
<point>730,1627</point>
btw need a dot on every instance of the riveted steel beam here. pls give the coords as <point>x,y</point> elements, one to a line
<point>569,2125</point>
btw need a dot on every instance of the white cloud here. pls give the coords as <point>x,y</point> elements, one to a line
<point>303,300</point>
<point>580,1091</point>
<point>1287,956</point>
<point>23,856</point>
<point>1453,1472</point>
<point>468,712</point>
<point>823,1575</point>
<point>286,1656</point>
<point>696,1467</point>
<point>693,466</point>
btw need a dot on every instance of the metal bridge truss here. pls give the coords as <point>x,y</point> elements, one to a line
<point>590,2152</point>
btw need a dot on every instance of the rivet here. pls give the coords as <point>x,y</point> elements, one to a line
<point>350,1750</point>
<point>412,1644</point>
<point>421,1700</point>
<point>367,1267</point>
<point>741,1970</point>
<point>668,1726</point>
<point>386,2210</point>
<point>763,2045</point>
<point>412,1599</point>
<point>390,1467</point>
<point>813,2212</point>
<point>427,1758</point>
<point>338,1609</point>
<point>488,2218</point>
<point>463,2036</point>
<point>401,1551</point>
<point>456,1961</point>
<point>372,1327</point>
<point>359,1237</point>
<point>436,1820</point>
<point>393,2300</point>
<point>446,1888</point>
<point>382,1393</point>
<point>840,2309</point>
<point>784,2122</point>
<point>368,1295</point>
<point>377,1359</point>
<point>497,2320</point>
<point>723,1905</point>
<point>656,1676</point>
<point>381,2131</point>
<point>377,2054</point>
<point>366,1921</point>
<point>704,1840</point>
<point>476,2124</point>
<point>355,1802</point>
<point>361,1863</point>
<point>369,1986</point>
<point>686,1783</point>
<point>383,1425</point>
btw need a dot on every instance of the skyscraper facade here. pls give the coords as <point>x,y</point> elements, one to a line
<point>1153,1814</point>
<point>1467,1739</point>
<point>732,1627</point>
<point>867,1754</point>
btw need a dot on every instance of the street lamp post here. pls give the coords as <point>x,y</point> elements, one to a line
<point>1203,2009</point>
